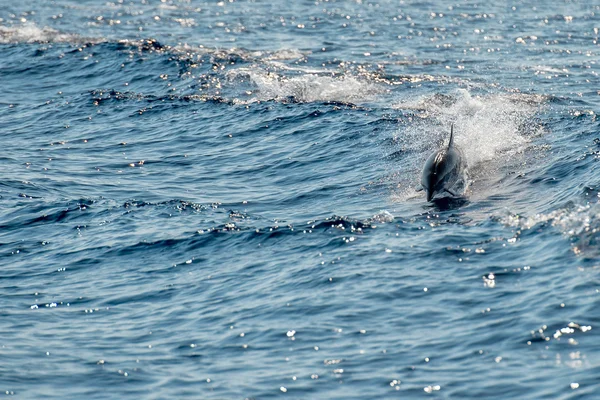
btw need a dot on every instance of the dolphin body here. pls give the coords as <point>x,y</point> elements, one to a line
<point>445,171</point>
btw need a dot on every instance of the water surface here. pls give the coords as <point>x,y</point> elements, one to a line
<point>220,200</point>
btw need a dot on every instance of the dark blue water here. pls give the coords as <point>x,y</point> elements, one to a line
<point>219,200</point>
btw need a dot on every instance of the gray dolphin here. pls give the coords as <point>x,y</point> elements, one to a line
<point>444,170</point>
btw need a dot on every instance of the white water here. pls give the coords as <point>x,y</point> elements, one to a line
<point>306,87</point>
<point>31,33</point>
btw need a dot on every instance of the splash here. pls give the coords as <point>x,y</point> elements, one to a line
<point>486,126</point>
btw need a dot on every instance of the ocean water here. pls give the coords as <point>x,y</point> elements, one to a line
<point>219,200</point>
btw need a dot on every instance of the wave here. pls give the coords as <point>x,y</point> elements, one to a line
<point>243,76</point>
<point>581,224</point>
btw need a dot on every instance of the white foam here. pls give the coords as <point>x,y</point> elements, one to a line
<point>286,54</point>
<point>31,33</point>
<point>306,87</point>
<point>542,69</point>
<point>383,216</point>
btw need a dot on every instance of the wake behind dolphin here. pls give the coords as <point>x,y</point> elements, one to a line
<point>445,172</point>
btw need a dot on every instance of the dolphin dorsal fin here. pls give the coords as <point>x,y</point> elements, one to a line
<point>451,143</point>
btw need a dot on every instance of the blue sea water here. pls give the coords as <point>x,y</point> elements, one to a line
<point>219,200</point>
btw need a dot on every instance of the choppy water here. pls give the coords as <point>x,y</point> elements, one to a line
<point>219,200</point>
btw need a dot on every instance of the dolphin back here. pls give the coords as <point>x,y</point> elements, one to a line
<point>443,168</point>
<point>439,165</point>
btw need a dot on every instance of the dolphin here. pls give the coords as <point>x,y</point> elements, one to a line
<point>444,171</point>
